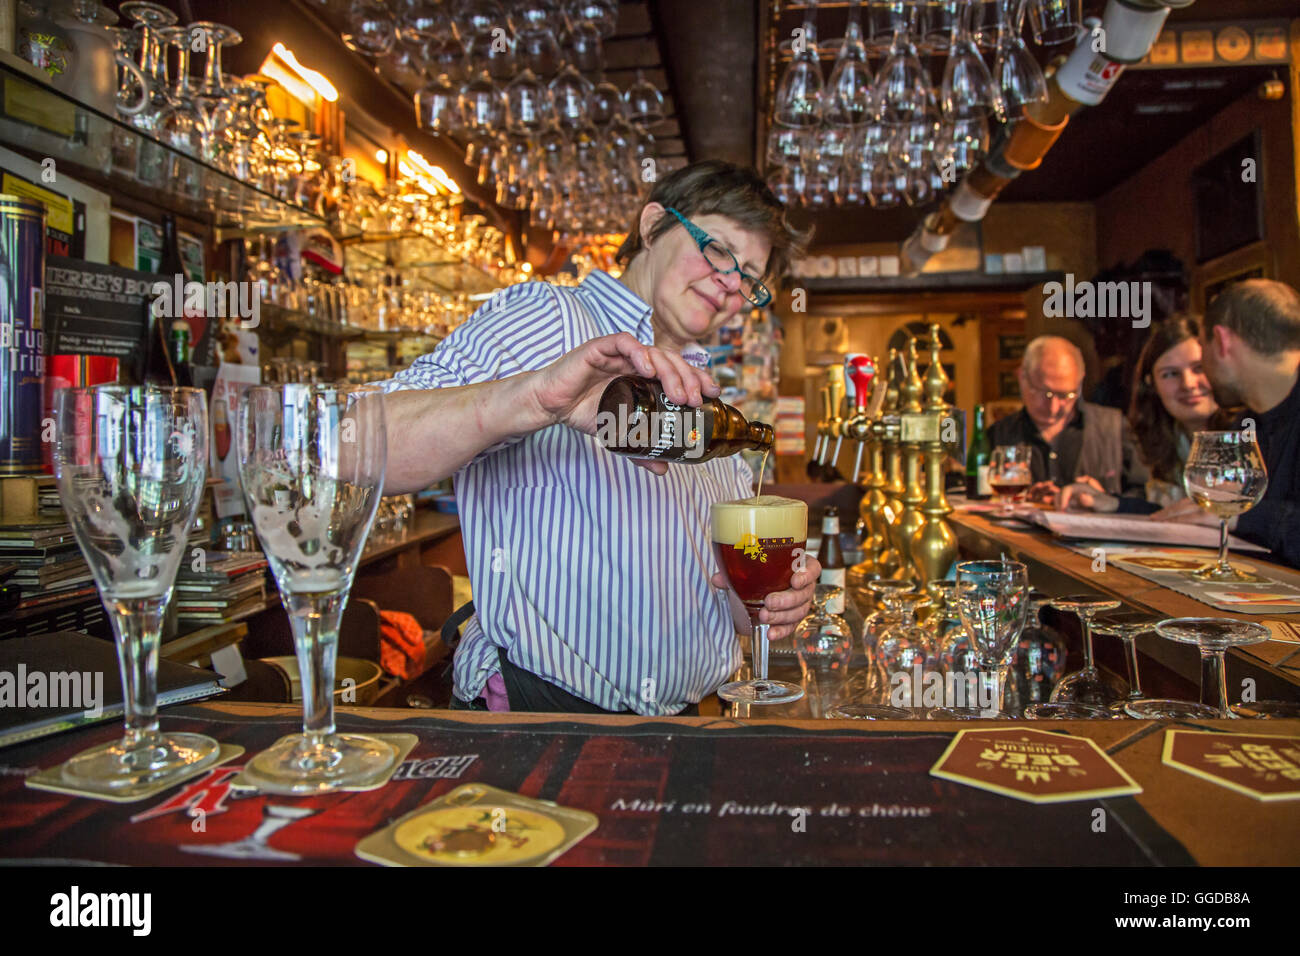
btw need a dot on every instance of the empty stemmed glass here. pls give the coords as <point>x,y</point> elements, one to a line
<point>1086,686</point>
<point>1055,21</point>
<point>1225,475</point>
<point>1128,626</point>
<point>993,599</point>
<point>967,90</point>
<point>800,94</point>
<point>130,465</point>
<point>312,461</point>
<point>848,92</point>
<point>901,89</point>
<point>1018,74</point>
<point>1213,635</point>
<point>823,642</point>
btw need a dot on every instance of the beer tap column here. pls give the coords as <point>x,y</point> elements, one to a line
<point>911,436</point>
<point>861,371</point>
<point>886,429</point>
<point>934,546</point>
<point>835,390</point>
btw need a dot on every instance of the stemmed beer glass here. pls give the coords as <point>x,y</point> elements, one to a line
<point>1225,475</point>
<point>311,461</point>
<point>130,464</point>
<point>757,542</point>
<point>993,601</point>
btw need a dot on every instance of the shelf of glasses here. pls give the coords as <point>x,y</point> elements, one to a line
<point>46,123</point>
<point>421,260</point>
<point>276,318</point>
<point>934,282</point>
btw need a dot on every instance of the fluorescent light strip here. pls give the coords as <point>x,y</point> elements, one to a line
<point>317,81</point>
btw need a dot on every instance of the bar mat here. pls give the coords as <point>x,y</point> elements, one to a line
<point>664,794</point>
<point>1170,567</point>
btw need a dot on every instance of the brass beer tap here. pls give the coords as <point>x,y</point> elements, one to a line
<point>889,561</point>
<point>934,546</point>
<point>911,435</point>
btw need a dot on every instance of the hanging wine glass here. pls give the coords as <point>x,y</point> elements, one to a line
<point>850,86</point>
<point>405,64</point>
<point>1018,74</point>
<point>901,87</point>
<point>422,20</point>
<point>494,53</point>
<point>528,103</point>
<point>644,102</point>
<point>600,15</point>
<point>606,102</point>
<point>437,105</point>
<point>1055,21</point>
<point>539,51</point>
<point>570,94</point>
<point>370,28</point>
<point>800,93</point>
<point>984,17</point>
<point>967,89</point>
<point>585,49</point>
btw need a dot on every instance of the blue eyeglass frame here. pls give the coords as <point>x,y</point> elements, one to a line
<point>702,239</point>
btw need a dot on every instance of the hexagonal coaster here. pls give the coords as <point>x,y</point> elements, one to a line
<point>1033,765</point>
<point>1262,766</point>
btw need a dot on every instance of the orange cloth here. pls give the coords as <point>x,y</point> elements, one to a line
<point>401,645</point>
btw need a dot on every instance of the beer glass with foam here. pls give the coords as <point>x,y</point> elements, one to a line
<point>758,543</point>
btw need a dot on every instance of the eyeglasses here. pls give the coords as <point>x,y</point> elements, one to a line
<point>1047,394</point>
<point>724,262</point>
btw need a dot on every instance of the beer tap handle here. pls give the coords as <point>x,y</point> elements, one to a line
<point>857,462</point>
<point>861,371</point>
<point>836,457</point>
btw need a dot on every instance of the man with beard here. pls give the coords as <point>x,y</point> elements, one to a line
<point>1250,345</point>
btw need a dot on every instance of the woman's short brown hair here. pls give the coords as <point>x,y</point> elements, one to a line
<point>724,189</point>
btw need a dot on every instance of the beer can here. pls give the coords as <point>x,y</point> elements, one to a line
<point>22,334</point>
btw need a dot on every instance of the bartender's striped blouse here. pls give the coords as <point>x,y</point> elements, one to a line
<point>591,572</point>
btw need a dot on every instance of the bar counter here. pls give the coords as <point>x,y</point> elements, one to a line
<point>674,791</point>
<point>1056,570</point>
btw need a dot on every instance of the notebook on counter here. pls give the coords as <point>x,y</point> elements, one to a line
<point>55,682</point>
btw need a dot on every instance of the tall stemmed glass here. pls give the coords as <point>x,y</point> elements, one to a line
<point>312,461</point>
<point>901,90</point>
<point>967,91</point>
<point>1128,626</point>
<point>1225,475</point>
<point>1213,635</point>
<point>993,601</point>
<point>800,95</point>
<point>849,88</point>
<point>130,464</point>
<point>1017,72</point>
<point>1086,686</point>
<point>757,542</point>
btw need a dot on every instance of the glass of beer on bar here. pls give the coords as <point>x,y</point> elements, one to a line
<point>759,543</point>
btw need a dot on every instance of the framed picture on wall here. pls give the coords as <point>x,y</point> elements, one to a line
<point>1008,385</point>
<point>1011,348</point>
<point>1253,262</point>
<point>1228,192</point>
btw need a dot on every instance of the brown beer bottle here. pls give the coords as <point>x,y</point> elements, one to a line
<point>635,418</point>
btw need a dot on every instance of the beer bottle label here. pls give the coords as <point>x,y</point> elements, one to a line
<point>681,432</point>
<point>982,486</point>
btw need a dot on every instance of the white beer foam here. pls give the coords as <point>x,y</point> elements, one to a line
<point>767,516</point>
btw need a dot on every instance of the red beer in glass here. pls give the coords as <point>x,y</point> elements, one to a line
<point>758,542</point>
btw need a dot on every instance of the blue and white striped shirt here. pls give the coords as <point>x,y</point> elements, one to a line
<point>591,572</point>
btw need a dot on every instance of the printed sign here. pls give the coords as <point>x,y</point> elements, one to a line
<point>1258,765</point>
<point>1033,765</point>
<point>93,309</point>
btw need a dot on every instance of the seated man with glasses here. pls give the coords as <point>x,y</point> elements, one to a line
<point>1071,439</point>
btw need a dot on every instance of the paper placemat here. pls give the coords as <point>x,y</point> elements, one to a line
<point>1170,567</point>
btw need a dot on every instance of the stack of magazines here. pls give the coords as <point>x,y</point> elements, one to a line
<point>225,586</point>
<point>51,569</point>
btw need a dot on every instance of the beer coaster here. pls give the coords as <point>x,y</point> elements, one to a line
<point>402,745</point>
<point>1033,765</point>
<point>52,779</point>
<point>1259,765</point>
<point>478,825</point>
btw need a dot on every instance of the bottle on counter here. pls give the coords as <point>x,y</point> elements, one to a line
<point>636,419</point>
<point>831,557</point>
<point>977,460</point>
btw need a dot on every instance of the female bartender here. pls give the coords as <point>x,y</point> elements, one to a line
<point>594,581</point>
